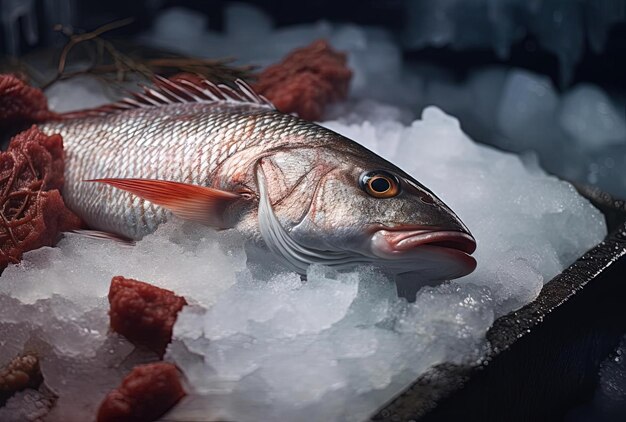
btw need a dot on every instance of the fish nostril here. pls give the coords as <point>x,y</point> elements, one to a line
<point>425,198</point>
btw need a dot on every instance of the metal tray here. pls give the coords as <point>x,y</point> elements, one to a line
<point>544,357</point>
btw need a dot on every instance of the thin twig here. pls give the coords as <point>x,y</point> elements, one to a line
<point>76,39</point>
<point>107,59</point>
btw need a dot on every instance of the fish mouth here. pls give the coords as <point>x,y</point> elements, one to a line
<point>435,253</point>
<point>443,239</point>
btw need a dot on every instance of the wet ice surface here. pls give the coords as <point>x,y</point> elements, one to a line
<point>258,344</point>
<point>78,93</point>
<point>26,406</point>
<point>54,303</point>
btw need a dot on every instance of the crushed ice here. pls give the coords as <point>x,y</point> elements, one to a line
<point>263,345</point>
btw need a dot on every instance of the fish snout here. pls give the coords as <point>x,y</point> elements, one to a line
<point>435,251</point>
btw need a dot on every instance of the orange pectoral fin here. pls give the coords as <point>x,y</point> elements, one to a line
<point>191,202</point>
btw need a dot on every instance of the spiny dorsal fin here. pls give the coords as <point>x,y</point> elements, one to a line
<point>165,91</point>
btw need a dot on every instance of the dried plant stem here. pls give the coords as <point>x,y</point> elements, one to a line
<point>107,59</point>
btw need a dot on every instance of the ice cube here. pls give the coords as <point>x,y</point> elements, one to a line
<point>14,12</point>
<point>244,21</point>
<point>527,111</point>
<point>79,93</point>
<point>589,116</point>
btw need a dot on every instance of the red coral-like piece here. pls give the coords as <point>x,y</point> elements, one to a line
<point>145,394</point>
<point>306,80</point>
<point>32,212</point>
<point>143,313</point>
<point>20,103</point>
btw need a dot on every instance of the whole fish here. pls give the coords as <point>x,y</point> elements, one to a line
<point>227,158</point>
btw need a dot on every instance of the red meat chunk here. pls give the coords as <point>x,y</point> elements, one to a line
<point>31,207</point>
<point>306,80</point>
<point>146,393</point>
<point>143,313</point>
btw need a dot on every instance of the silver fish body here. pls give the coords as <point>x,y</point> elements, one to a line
<point>301,185</point>
<point>197,143</point>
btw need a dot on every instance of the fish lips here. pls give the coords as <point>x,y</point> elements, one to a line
<point>434,253</point>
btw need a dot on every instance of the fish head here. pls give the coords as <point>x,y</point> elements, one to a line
<point>346,208</point>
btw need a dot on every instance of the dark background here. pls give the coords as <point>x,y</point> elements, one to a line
<point>607,69</point>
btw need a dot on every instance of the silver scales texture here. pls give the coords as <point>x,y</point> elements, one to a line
<point>208,144</point>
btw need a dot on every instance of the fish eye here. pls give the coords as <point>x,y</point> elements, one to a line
<point>380,184</point>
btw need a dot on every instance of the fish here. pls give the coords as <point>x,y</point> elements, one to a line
<point>225,157</point>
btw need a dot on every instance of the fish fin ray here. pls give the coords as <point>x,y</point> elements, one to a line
<point>165,91</point>
<point>102,235</point>
<point>188,201</point>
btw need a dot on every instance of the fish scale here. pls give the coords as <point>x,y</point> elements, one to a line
<point>184,142</point>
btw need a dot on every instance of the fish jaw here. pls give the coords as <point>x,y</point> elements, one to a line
<point>436,253</point>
